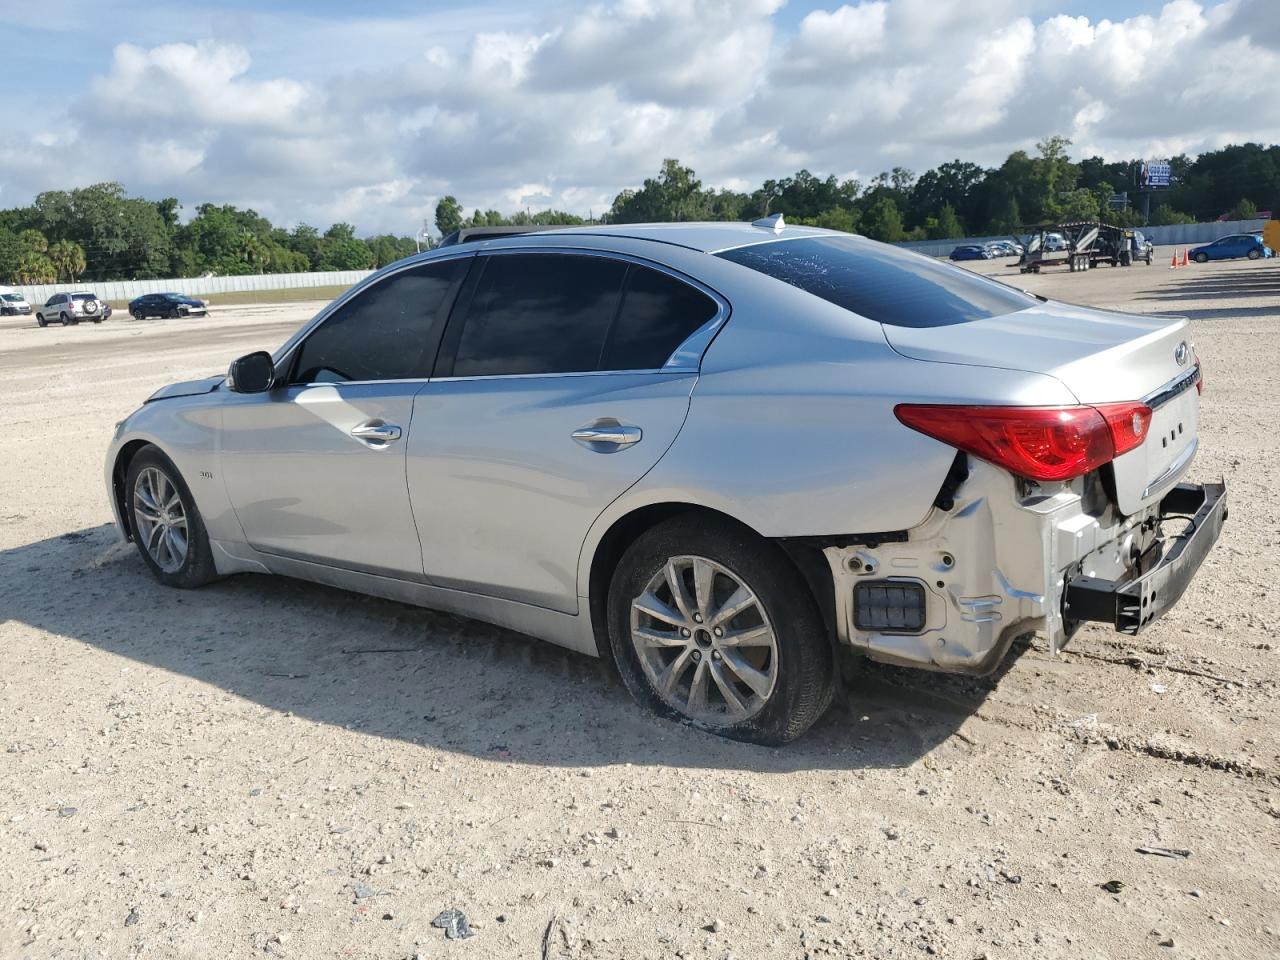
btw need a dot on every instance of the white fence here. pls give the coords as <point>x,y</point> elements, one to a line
<point>1178,234</point>
<point>195,286</point>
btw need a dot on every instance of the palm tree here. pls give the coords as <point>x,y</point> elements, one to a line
<point>67,258</point>
<point>252,250</point>
<point>33,241</point>
<point>35,268</point>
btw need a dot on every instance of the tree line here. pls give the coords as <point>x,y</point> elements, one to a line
<point>99,233</point>
<point>959,198</point>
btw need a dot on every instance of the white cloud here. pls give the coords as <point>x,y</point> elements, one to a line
<point>370,120</point>
<point>198,85</point>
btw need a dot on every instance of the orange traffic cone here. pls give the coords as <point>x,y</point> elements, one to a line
<point>1173,263</point>
<point>1184,259</point>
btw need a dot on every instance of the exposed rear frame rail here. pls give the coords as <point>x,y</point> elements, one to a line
<point>1131,605</point>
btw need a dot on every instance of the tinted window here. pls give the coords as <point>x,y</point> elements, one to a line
<point>83,296</point>
<point>881,282</point>
<point>539,313</point>
<point>388,332</point>
<point>658,314</point>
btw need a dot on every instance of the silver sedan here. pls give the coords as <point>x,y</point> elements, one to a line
<point>717,454</point>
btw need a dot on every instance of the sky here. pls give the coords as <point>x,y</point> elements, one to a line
<point>329,110</point>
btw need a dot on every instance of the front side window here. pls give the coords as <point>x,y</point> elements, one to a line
<point>539,313</point>
<point>388,331</point>
<point>880,282</point>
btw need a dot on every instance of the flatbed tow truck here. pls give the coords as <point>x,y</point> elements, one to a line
<point>1088,244</point>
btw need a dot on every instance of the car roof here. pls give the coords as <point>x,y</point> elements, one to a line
<point>708,237</point>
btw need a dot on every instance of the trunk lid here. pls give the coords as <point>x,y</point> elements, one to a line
<point>1101,357</point>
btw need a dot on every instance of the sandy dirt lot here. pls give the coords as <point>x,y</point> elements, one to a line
<point>269,767</point>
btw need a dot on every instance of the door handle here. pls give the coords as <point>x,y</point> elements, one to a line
<point>608,435</point>
<point>376,432</point>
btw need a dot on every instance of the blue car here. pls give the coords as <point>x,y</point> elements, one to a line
<point>970,252</point>
<point>1230,248</point>
<point>166,305</point>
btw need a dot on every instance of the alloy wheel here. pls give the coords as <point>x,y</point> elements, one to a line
<point>705,642</point>
<point>161,520</point>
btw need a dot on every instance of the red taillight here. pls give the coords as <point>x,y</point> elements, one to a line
<point>1129,423</point>
<point>1039,443</point>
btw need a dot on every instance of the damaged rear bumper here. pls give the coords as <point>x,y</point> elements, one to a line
<point>1003,559</point>
<point>1131,605</point>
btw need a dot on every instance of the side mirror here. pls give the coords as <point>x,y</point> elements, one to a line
<point>252,373</point>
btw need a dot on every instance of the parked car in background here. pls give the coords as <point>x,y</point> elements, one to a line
<point>1232,247</point>
<point>971,251</point>
<point>1003,248</point>
<point>168,305</point>
<point>1141,248</point>
<point>1055,242</point>
<point>71,308</point>
<point>719,454</point>
<point>12,303</point>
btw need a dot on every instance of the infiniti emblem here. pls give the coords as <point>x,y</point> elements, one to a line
<point>1181,353</point>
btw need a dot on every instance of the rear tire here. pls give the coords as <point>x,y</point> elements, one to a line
<point>741,652</point>
<point>166,526</point>
<point>66,320</point>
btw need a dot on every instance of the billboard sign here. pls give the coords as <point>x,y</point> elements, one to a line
<point>1155,173</point>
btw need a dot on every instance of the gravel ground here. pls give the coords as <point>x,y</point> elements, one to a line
<point>269,767</point>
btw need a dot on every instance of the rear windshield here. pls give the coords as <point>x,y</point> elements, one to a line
<point>83,296</point>
<point>880,282</point>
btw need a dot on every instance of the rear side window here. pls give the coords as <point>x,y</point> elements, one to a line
<point>388,331</point>
<point>539,313</point>
<point>880,282</point>
<point>658,314</point>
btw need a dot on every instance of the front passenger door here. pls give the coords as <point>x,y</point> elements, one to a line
<point>315,468</point>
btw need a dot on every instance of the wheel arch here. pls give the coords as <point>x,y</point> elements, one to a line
<point>119,471</point>
<point>629,527</point>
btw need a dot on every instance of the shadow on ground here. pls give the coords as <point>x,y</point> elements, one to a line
<point>395,671</point>
<point>1220,286</point>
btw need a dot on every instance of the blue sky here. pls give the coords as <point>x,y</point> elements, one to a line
<point>323,110</point>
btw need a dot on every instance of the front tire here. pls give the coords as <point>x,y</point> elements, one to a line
<point>166,526</point>
<point>41,321</point>
<point>1201,258</point>
<point>712,625</point>
<point>1254,254</point>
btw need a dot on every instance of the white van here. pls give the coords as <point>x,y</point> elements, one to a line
<point>12,304</point>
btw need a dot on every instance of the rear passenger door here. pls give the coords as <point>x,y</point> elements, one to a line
<point>562,379</point>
